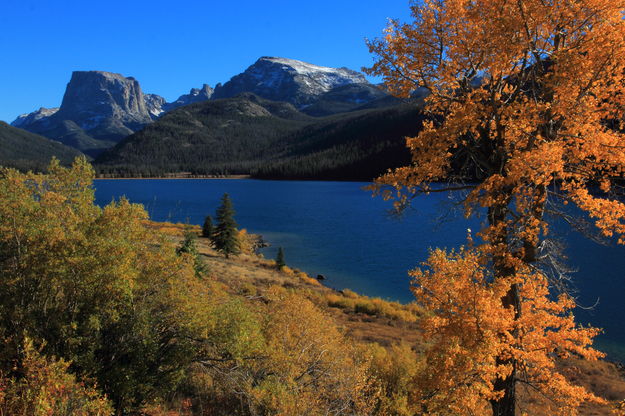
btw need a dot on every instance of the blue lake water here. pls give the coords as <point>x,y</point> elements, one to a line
<point>337,229</point>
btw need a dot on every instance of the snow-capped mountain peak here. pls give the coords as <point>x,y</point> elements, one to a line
<point>282,79</point>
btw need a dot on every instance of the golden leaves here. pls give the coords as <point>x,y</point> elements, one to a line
<point>468,328</point>
<point>550,74</point>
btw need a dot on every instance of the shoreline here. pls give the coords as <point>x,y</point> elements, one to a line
<point>176,177</point>
<point>231,177</point>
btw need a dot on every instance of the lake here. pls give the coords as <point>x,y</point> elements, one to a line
<point>337,229</point>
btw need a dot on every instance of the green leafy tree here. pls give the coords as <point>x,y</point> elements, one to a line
<point>280,259</point>
<point>94,286</point>
<point>225,236</point>
<point>208,229</point>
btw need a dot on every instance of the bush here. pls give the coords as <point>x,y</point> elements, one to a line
<point>47,388</point>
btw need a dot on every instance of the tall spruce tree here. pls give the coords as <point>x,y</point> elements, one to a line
<point>225,235</point>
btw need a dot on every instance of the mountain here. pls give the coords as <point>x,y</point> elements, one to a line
<point>194,96</point>
<point>24,150</point>
<point>350,97</point>
<point>288,80</point>
<point>30,118</point>
<point>155,104</point>
<point>247,134</point>
<point>98,109</point>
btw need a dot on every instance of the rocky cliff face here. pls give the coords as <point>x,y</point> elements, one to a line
<point>288,80</point>
<point>196,95</point>
<point>92,97</point>
<point>101,108</point>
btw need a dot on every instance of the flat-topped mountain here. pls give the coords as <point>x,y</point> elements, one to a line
<point>94,96</point>
<point>289,80</point>
<point>98,109</point>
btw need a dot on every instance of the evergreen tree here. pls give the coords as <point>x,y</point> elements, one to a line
<point>207,228</point>
<point>188,246</point>
<point>280,259</point>
<point>225,235</point>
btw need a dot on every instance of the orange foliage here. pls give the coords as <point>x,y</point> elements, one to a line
<point>47,388</point>
<point>464,330</point>
<point>549,105</point>
<point>526,100</point>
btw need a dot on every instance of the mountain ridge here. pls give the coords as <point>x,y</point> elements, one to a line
<point>108,106</point>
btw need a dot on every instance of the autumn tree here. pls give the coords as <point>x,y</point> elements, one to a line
<point>286,358</point>
<point>225,235</point>
<point>93,286</point>
<point>525,100</point>
<point>48,388</point>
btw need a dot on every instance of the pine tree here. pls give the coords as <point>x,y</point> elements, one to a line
<point>225,235</point>
<point>188,246</point>
<point>208,229</point>
<point>280,259</point>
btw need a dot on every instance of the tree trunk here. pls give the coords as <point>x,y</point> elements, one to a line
<point>506,405</point>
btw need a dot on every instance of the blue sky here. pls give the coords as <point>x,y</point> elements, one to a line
<point>172,46</point>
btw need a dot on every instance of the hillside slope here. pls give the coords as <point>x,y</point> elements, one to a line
<point>376,321</point>
<point>266,139</point>
<point>24,150</point>
<point>211,137</point>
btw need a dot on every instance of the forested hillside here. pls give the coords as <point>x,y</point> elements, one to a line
<point>266,139</point>
<point>24,150</point>
<point>212,137</point>
<point>360,146</point>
